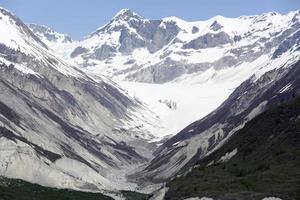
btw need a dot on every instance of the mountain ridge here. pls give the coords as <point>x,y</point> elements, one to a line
<point>61,127</point>
<point>173,59</point>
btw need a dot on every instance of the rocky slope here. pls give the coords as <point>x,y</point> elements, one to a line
<point>60,127</point>
<point>198,140</point>
<point>260,160</point>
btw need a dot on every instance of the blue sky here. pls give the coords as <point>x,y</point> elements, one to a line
<point>78,18</point>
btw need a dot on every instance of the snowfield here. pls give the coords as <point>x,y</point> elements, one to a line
<point>192,101</point>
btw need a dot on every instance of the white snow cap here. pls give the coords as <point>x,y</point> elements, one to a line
<point>126,11</point>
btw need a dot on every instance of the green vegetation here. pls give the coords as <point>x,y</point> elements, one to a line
<point>267,162</point>
<point>13,189</point>
<point>135,196</point>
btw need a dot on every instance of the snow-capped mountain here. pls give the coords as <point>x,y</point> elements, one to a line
<point>171,59</point>
<point>58,41</point>
<point>48,35</point>
<point>60,127</point>
<point>193,66</point>
<point>131,47</point>
<point>81,130</point>
<point>203,137</point>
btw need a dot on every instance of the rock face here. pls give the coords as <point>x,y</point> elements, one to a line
<point>289,43</point>
<point>129,32</point>
<point>208,40</point>
<point>58,126</point>
<point>78,51</point>
<point>130,47</point>
<point>216,26</point>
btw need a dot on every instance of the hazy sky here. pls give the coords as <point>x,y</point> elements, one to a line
<point>78,18</point>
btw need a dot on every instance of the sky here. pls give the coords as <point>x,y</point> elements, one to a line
<point>78,18</point>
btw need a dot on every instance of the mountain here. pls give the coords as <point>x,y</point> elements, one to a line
<point>158,51</point>
<point>200,139</point>
<point>48,35</point>
<point>260,160</point>
<point>69,126</point>
<point>194,65</point>
<point>59,42</point>
<point>60,127</point>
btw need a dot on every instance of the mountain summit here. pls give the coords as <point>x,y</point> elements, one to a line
<point>125,14</point>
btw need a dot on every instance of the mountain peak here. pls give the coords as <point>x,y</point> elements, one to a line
<point>48,34</point>
<point>16,25</point>
<point>126,13</point>
<point>120,19</point>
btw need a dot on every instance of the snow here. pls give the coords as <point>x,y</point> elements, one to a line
<point>25,70</point>
<point>228,156</point>
<point>57,38</point>
<point>116,67</point>
<point>287,59</point>
<point>124,11</point>
<point>175,144</point>
<point>285,88</point>
<point>196,56</point>
<point>271,198</point>
<point>195,95</point>
<point>14,37</point>
<point>11,36</point>
<point>19,67</point>
<point>193,101</point>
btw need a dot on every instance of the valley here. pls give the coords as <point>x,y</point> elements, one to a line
<point>151,108</point>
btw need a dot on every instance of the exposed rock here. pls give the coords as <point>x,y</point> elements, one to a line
<point>216,26</point>
<point>78,51</point>
<point>208,40</point>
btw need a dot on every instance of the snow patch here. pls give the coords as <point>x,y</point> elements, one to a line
<point>25,70</point>
<point>285,88</point>
<point>271,198</point>
<point>228,156</point>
